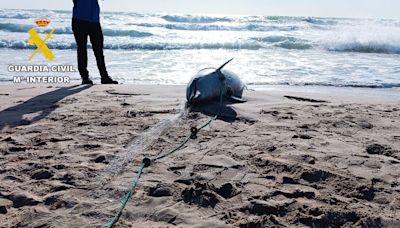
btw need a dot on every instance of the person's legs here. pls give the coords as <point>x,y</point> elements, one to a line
<point>97,40</point>
<point>80,30</point>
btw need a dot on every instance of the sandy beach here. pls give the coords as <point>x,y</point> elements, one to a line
<point>285,158</point>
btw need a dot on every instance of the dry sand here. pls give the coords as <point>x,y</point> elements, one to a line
<point>283,162</point>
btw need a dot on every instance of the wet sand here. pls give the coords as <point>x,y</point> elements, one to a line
<point>284,158</point>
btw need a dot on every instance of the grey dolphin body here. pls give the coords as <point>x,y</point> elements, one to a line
<point>209,83</point>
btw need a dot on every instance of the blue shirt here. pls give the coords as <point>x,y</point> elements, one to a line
<point>86,10</point>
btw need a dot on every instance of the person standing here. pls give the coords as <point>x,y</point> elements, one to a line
<point>86,23</point>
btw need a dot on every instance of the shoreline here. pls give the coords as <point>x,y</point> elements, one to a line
<point>389,94</point>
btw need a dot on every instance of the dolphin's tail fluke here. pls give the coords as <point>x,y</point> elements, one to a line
<point>220,68</point>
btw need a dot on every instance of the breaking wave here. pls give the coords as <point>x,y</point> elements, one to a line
<point>131,33</point>
<point>140,46</point>
<point>286,42</point>
<point>195,19</point>
<point>9,27</point>
<point>290,43</point>
<point>320,21</point>
<point>372,47</point>
<point>6,15</point>
<point>352,45</point>
<point>379,42</point>
<point>24,45</point>
<point>219,27</point>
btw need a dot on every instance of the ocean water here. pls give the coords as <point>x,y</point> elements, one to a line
<point>171,48</point>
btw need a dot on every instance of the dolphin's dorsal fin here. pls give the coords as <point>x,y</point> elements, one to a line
<point>223,65</point>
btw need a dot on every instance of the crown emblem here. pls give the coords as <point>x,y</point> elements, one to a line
<point>42,22</point>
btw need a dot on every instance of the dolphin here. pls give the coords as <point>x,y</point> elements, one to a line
<point>210,84</point>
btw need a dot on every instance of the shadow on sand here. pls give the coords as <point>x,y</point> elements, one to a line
<point>43,104</point>
<point>224,111</point>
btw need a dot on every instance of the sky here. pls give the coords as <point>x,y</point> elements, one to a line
<point>319,8</point>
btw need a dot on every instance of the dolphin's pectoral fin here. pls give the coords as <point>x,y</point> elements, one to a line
<point>197,96</point>
<point>236,99</point>
<point>193,91</point>
<point>191,97</point>
<point>194,97</point>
